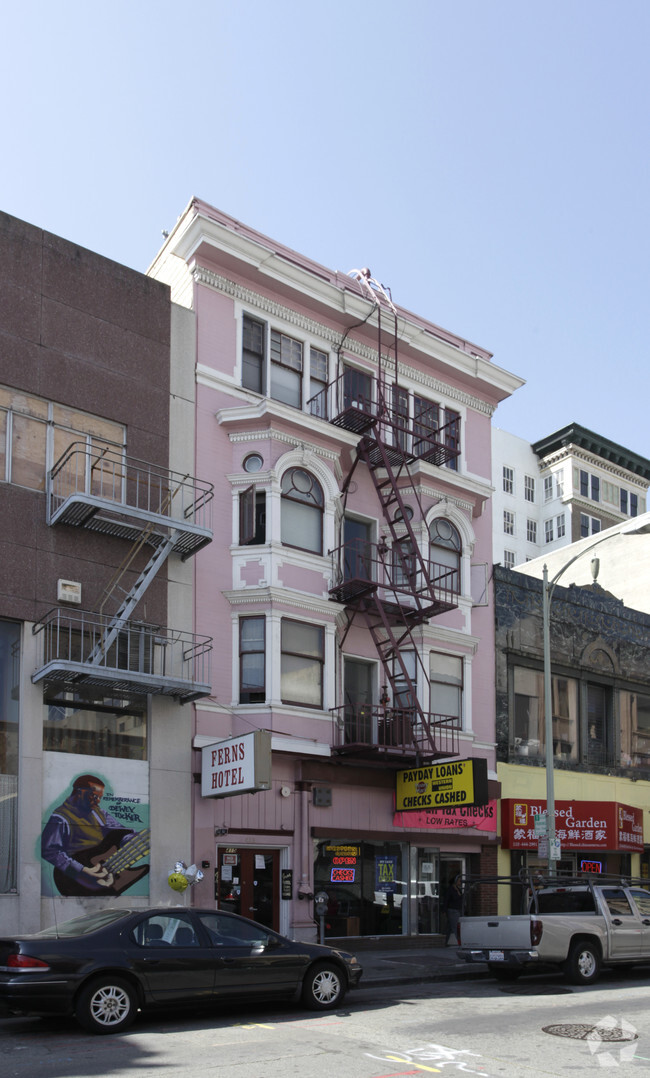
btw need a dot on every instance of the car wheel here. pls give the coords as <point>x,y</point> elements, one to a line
<point>323,987</point>
<point>106,1005</point>
<point>503,973</point>
<point>583,964</point>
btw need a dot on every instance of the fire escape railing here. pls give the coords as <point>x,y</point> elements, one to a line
<point>393,731</point>
<point>106,490</point>
<point>396,572</point>
<point>140,659</point>
<point>359,402</point>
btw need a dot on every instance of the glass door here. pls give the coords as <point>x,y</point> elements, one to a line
<point>248,883</point>
<point>425,890</point>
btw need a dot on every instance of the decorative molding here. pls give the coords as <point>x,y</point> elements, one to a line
<point>570,453</point>
<point>335,339</point>
<point>286,439</point>
<point>282,596</point>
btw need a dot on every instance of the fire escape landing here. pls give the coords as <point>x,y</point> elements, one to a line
<point>91,655</point>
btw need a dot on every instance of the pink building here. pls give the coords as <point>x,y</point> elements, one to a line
<point>347,588</point>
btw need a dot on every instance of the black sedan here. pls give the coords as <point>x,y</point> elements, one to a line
<point>104,967</point>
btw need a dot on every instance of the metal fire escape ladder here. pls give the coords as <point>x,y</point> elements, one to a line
<point>389,648</point>
<point>132,597</point>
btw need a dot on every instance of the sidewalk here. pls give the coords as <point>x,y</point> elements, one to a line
<point>411,965</point>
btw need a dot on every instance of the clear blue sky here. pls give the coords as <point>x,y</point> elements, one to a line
<point>488,159</point>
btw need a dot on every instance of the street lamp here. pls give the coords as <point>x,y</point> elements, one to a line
<point>548,587</point>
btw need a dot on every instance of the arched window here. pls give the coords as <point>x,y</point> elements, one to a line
<point>444,554</point>
<point>302,510</point>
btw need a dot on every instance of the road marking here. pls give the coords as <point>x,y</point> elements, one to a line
<point>418,1066</point>
<point>253,1025</point>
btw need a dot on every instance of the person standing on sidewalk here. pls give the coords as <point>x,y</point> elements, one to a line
<point>453,906</point>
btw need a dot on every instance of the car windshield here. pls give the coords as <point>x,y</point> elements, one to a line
<point>81,926</point>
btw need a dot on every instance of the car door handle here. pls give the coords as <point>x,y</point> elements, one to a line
<point>645,921</point>
<point>151,961</point>
<point>616,921</point>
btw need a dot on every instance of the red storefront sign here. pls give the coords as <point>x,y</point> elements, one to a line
<point>579,825</point>
<point>480,817</point>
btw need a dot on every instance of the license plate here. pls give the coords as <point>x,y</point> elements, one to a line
<point>496,956</point>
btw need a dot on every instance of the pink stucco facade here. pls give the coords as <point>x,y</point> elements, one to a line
<point>264,586</point>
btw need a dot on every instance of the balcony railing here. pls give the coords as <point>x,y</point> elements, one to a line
<point>367,731</point>
<point>139,659</point>
<point>107,491</point>
<point>357,402</point>
<point>360,567</point>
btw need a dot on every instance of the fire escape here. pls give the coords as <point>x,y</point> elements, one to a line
<point>90,656</point>
<point>391,589</point>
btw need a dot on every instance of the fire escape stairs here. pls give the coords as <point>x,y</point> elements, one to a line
<point>78,643</point>
<point>407,596</point>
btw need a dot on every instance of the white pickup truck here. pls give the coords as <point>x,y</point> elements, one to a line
<point>576,924</point>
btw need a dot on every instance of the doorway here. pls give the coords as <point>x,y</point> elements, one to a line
<point>248,883</point>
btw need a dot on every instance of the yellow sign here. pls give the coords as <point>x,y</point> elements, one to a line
<point>455,782</point>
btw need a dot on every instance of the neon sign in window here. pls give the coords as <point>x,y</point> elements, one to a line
<point>342,875</point>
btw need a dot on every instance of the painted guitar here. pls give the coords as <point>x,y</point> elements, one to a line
<point>114,858</point>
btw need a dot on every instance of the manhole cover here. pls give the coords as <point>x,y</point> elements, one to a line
<point>581,1031</point>
<point>534,990</point>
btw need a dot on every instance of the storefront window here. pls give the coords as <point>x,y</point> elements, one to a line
<point>367,887</point>
<point>10,688</point>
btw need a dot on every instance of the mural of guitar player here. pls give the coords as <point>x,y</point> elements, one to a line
<point>91,853</point>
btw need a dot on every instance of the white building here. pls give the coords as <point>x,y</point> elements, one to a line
<point>567,486</point>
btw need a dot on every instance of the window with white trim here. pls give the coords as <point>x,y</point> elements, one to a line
<point>276,364</point>
<point>509,559</point>
<point>548,530</point>
<point>561,526</point>
<point>529,488</point>
<point>559,483</point>
<point>548,488</point>
<point>446,685</point>
<point>531,530</point>
<point>445,551</point>
<point>302,510</point>
<point>302,663</point>
<point>508,522</point>
<point>252,677</point>
<point>508,479</point>
<point>286,369</point>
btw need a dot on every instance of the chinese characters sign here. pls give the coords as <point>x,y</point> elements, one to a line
<point>579,825</point>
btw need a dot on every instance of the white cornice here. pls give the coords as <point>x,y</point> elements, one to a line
<point>286,439</point>
<point>282,597</point>
<point>444,352</point>
<point>569,453</point>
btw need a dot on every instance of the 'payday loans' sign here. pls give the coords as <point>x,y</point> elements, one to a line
<point>237,766</point>
<point>452,784</point>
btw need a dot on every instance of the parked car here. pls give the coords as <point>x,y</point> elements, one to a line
<point>104,967</point>
<point>576,924</point>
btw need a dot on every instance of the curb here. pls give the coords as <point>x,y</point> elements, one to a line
<point>451,975</point>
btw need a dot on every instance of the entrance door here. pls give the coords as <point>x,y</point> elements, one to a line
<point>358,679</point>
<point>249,883</point>
<point>357,564</point>
<point>450,867</point>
